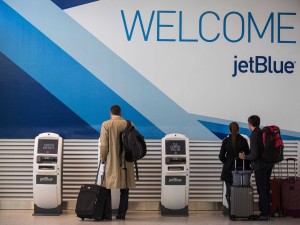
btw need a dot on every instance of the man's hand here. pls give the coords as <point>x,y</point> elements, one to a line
<point>242,155</point>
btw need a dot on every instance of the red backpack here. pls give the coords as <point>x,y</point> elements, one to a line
<point>273,145</point>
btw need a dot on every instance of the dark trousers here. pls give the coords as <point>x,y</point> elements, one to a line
<point>123,204</point>
<point>227,195</point>
<point>262,178</point>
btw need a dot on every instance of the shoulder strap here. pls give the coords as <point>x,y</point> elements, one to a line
<point>122,146</point>
<point>136,170</point>
<point>128,124</point>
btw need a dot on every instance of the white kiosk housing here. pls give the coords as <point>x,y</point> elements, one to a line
<point>47,174</point>
<point>175,175</point>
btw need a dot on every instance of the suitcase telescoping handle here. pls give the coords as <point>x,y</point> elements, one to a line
<point>287,166</point>
<point>235,164</point>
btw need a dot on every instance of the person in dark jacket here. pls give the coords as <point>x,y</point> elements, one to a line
<point>229,152</point>
<point>262,170</point>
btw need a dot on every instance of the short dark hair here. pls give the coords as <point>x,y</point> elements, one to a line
<point>115,110</point>
<point>254,120</point>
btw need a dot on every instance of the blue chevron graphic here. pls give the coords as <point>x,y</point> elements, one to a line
<point>58,71</point>
<point>65,4</point>
<point>221,130</point>
<point>26,113</point>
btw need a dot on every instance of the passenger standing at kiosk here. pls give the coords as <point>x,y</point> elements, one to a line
<point>229,152</point>
<point>117,175</point>
<point>261,169</point>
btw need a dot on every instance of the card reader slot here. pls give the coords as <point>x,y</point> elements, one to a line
<point>46,159</point>
<point>175,160</point>
<point>175,168</point>
<point>46,167</point>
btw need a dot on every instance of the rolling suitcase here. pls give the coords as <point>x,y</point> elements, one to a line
<point>275,187</point>
<point>290,193</point>
<point>91,200</point>
<point>241,195</point>
<point>241,202</point>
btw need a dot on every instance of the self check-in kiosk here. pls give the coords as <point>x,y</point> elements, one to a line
<point>175,175</point>
<point>47,174</point>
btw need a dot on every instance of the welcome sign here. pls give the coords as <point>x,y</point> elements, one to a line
<point>188,67</point>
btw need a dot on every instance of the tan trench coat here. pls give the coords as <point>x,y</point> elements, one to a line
<point>109,147</point>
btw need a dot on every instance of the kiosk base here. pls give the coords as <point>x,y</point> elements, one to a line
<point>47,212</point>
<point>174,212</point>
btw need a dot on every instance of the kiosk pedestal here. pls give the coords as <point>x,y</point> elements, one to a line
<point>175,175</point>
<point>47,174</point>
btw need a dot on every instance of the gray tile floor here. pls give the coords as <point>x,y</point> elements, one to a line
<point>24,217</point>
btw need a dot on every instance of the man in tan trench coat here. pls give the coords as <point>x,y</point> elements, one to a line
<point>115,172</point>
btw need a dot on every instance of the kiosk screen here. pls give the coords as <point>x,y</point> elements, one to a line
<point>175,147</point>
<point>46,146</point>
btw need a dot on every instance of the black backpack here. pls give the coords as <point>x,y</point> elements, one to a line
<point>133,144</point>
<point>273,145</point>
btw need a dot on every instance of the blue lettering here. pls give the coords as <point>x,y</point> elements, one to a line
<point>207,20</point>
<point>201,27</point>
<point>243,66</point>
<point>260,35</point>
<point>137,16</point>
<point>225,27</point>
<point>180,31</point>
<point>262,64</point>
<point>289,67</point>
<point>159,25</point>
<point>284,27</point>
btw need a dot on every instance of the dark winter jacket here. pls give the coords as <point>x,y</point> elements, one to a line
<point>256,148</point>
<point>227,156</point>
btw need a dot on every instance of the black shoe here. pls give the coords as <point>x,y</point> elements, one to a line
<point>253,217</point>
<point>119,217</point>
<point>263,218</point>
<point>98,219</point>
<point>108,218</point>
<point>103,218</point>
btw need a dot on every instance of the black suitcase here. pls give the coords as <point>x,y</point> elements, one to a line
<point>91,201</point>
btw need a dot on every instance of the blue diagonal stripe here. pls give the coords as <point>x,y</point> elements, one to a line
<point>65,4</point>
<point>220,127</point>
<point>60,74</point>
<point>124,80</point>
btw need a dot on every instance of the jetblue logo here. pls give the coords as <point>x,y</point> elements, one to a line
<point>262,64</point>
<point>44,179</point>
<point>175,180</point>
